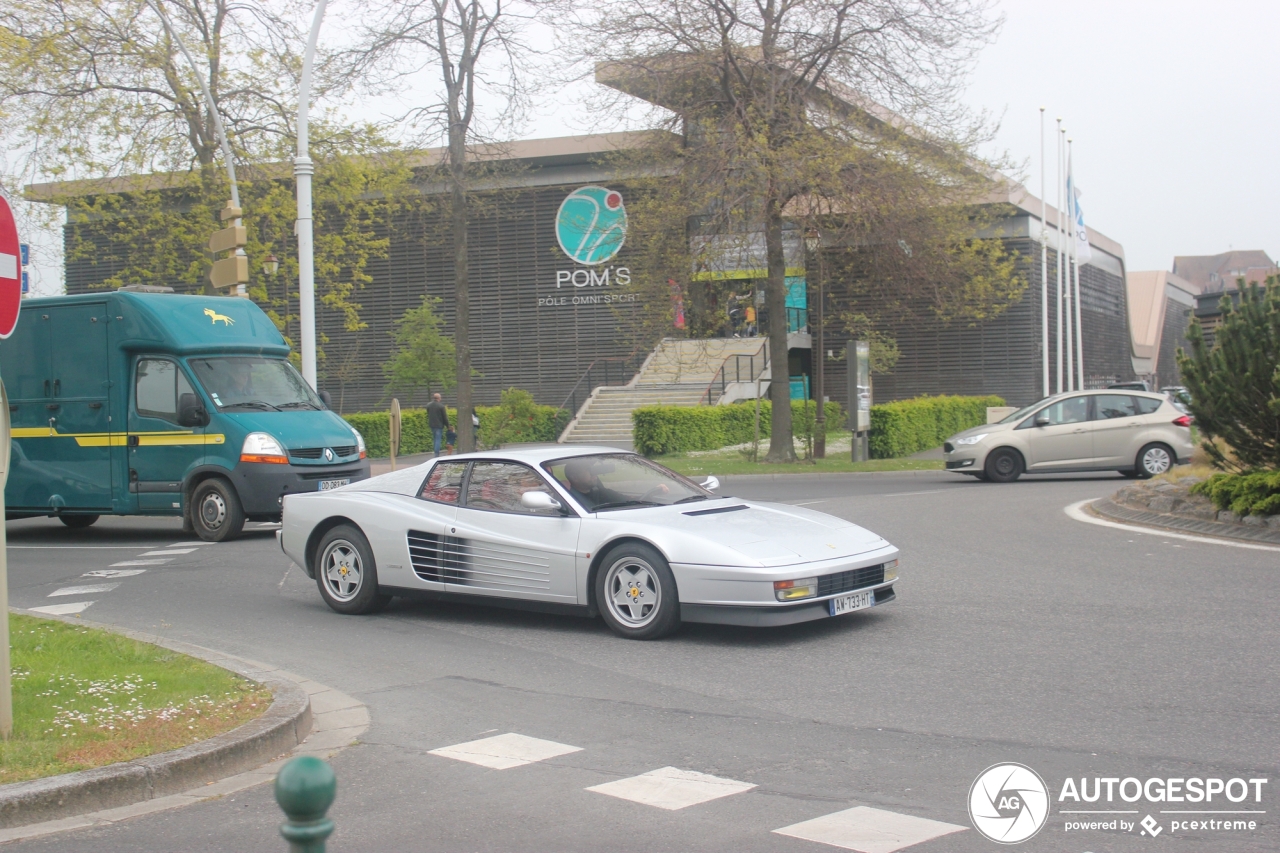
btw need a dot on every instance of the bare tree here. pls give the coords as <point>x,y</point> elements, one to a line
<point>795,110</point>
<point>476,52</point>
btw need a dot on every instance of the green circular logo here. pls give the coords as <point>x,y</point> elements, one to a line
<point>592,225</point>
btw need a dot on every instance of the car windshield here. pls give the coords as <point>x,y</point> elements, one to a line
<point>1025,410</point>
<point>254,383</point>
<point>609,481</point>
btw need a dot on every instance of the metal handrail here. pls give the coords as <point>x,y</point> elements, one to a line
<point>752,373</point>
<point>600,365</point>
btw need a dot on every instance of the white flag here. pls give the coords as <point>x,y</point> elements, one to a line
<point>1083,252</point>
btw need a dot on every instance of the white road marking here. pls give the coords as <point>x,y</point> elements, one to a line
<point>84,590</point>
<point>113,573</point>
<point>810,503</point>
<point>285,578</point>
<point>1076,511</point>
<point>167,553</point>
<point>140,563</point>
<point>62,609</point>
<point>869,830</point>
<point>907,494</point>
<point>502,752</point>
<point>185,544</point>
<point>671,788</point>
<point>77,547</point>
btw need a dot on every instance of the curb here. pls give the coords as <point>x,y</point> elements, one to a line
<point>305,717</point>
<point>817,475</point>
<point>1108,508</point>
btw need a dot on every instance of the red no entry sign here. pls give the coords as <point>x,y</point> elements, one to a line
<point>10,271</point>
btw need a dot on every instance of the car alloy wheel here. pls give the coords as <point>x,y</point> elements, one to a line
<point>633,592</point>
<point>342,569</point>
<point>1154,460</point>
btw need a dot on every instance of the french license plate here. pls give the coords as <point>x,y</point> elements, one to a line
<point>326,485</point>
<point>850,603</point>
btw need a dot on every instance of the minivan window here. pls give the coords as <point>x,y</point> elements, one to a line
<point>1147,405</point>
<point>254,382</point>
<point>1116,406</point>
<point>158,387</point>
<point>1073,410</point>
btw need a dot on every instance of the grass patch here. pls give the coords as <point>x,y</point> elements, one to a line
<point>84,698</point>
<point>736,464</point>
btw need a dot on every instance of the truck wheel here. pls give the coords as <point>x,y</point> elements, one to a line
<point>78,522</point>
<point>216,511</point>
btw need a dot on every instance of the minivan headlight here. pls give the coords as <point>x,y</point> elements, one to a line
<point>262,447</point>
<point>795,590</point>
<point>360,442</point>
<point>970,439</point>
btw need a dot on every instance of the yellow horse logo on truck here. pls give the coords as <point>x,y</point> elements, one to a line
<point>214,317</point>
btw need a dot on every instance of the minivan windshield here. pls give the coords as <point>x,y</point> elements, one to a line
<point>608,481</point>
<point>250,382</point>
<point>1025,410</point>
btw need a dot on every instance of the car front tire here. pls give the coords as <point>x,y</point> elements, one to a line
<point>216,513</point>
<point>1003,465</point>
<point>636,593</point>
<point>346,572</point>
<point>1153,460</point>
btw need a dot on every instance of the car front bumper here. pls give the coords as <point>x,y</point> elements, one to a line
<point>262,486</point>
<point>784,614</point>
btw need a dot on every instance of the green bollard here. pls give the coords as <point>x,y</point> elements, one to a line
<point>305,788</point>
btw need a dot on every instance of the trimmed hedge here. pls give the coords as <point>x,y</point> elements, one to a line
<point>910,426</point>
<point>657,430</point>
<point>1255,493</point>
<point>415,436</point>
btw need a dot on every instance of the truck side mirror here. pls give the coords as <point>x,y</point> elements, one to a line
<point>190,412</point>
<point>327,398</point>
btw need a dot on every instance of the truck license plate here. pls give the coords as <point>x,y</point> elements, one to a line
<point>326,485</point>
<point>850,603</point>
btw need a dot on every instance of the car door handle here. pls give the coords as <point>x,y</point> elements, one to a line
<point>133,441</point>
<point>95,405</point>
<point>57,387</point>
<point>53,407</point>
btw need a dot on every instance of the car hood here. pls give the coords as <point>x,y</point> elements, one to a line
<point>302,428</point>
<point>978,430</point>
<point>767,533</point>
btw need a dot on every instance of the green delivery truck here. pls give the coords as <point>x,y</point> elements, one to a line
<point>137,402</point>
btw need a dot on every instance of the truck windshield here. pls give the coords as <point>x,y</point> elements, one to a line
<point>253,382</point>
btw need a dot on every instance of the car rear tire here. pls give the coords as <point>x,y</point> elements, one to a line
<point>1004,465</point>
<point>216,513</point>
<point>1153,460</point>
<point>78,522</point>
<point>346,573</point>
<point>636,593</point>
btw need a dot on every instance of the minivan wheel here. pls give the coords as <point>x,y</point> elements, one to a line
<point>346,573</point>
<point>636,593</point>
<point>216,513</point>
<point>1003,465</point>
<point>1154,459</point>
<point>78,522</point>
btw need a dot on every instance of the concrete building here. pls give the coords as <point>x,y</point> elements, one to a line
<point>1160,309</point>
<point>1215,273</point>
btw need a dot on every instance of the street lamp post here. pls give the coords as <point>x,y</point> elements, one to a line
<point>302,171</point>
<point>817,353</point>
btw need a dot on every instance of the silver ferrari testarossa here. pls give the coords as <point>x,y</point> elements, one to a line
<point>589,530</point>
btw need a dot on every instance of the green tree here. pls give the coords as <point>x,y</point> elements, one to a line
<point>1235,383</point>
<point>424,359</point>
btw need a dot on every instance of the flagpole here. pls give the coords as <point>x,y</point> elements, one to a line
<point>1071,255</point>
<point>1079,232</point>
<point>1058,209</point>
<point>1044,268</point>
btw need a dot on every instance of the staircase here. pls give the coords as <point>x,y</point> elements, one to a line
<point>678,373</point>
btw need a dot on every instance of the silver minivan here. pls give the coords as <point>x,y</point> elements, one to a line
<point>1138,434</point>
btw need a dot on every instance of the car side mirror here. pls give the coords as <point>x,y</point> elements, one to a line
<point>190,411</point>
<point>539,501</point>
<point>1042,420</point>
<point>327,398</point>
<point>710,484</point>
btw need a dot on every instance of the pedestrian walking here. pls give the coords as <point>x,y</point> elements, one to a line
<point>438,420</point>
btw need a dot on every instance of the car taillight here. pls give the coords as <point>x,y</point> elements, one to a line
<point>1184,420</point>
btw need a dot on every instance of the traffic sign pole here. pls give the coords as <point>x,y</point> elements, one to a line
<point>10,305</point>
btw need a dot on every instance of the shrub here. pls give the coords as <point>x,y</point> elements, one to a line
<point>658,430</point>
<point>1256,493</point>
<point>1235,386</point>
<point>516,419</point>
<point>910,426</point>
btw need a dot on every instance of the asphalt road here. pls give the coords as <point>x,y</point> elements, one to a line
<point>1019,635</point>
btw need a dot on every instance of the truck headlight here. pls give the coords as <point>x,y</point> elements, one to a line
<point>972,439</point>
<point>359,442</point>
<point>891,570</point>
<point>262,447</point>
<point>795,590</point>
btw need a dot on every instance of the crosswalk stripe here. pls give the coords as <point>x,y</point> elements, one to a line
<point>84,590</point>
<point>869,830</point>
<point>62,609</point>
<point>502,752</point>
<point>139,563</point>
<point>671,788</point>
<point>167,553</point>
